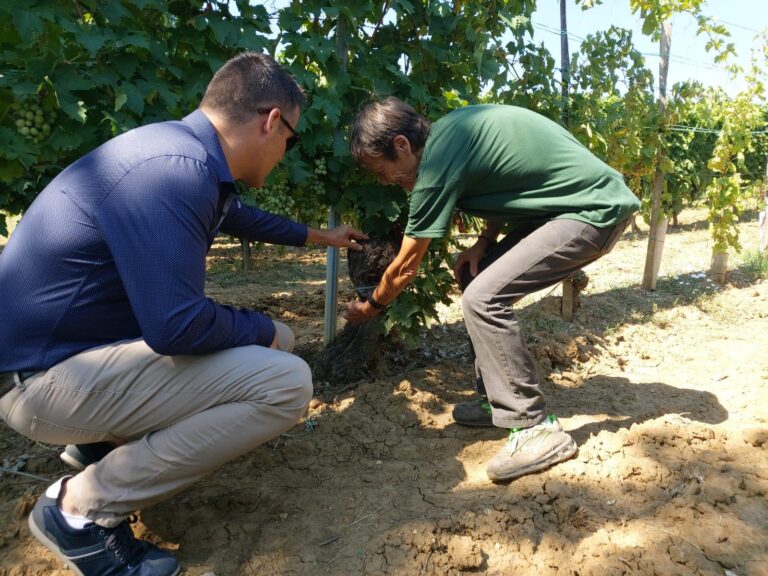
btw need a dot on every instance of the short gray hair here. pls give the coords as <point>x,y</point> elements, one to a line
<point>376,125</point>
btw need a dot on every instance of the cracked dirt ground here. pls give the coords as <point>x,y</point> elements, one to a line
<point>665,393</point>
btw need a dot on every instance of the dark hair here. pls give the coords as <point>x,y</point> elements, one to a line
<point>375,127</point>
<point>250,81</point>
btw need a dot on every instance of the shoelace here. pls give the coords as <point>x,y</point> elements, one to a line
<point>122,543</point>
<point>517,435</point>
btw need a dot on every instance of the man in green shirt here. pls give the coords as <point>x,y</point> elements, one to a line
<point>561,208</point>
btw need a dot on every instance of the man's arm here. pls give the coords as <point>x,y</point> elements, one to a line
<point>342,236</point>
<point>396,277</point>
<point>158,241</point>
<point>251,223</point>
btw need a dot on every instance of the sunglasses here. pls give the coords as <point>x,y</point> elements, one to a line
<point>294,138</point>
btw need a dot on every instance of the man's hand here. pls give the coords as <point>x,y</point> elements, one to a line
<point>359,312</point>
<point>396,277</point>
<point>470,257</point>
<point>342,236</point>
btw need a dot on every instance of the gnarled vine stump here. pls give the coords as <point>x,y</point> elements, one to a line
<point>356,351</point>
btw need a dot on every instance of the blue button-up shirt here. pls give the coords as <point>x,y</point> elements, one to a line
<point>114,248</point>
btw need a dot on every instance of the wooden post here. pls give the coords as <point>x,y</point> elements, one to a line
<point>566,305</point>
<point>566,309</point>
<point>565,65</point>
<point>763,215</point>
<point>246,246</point>
<point>719,267</point>
<point>658,229</point>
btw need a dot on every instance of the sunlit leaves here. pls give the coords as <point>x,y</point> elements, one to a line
<point>110,65</point>
<point>106,66</point>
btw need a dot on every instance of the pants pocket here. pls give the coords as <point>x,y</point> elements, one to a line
<point>42,430</point>
<point>592,241</point>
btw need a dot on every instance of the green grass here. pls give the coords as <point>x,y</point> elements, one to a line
<point>754,264</point>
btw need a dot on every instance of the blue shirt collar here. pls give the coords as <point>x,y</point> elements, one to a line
<point>206,133</point>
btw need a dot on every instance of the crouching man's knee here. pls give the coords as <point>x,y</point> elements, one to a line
<point>296,390</point>
<point>284,338</point>
<point>472,302</point>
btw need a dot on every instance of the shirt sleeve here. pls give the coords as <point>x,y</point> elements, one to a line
<point>251,223</point>
<point>156,223</point>
<point>431,211</point>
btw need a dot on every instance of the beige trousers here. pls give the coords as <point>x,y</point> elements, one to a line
<point>180,417</point>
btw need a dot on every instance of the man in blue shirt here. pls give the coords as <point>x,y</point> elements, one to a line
<point>108,338</point>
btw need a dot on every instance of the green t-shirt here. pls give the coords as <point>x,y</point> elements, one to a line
<point>514,165</point>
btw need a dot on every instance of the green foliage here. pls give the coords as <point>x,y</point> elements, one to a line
<point>100,68</point>
<point>77,73</point>
<point>689,144</point>
<point>754,263</point>
<point>654,13</point>
<point>612,107</point>
<point>303,202</point>
<point>737,119</point>
<point>417,306</point>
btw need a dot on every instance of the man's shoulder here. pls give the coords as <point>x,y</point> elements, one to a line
<point>154,149</point>
<point>162,139</point>
<point>157,147</point>
<point>492,113</point>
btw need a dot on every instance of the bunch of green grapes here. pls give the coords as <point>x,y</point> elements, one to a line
<point>312,209</point>
<point>316,188</point>
<point>320,167</point>
<point>277,199</point>
<point>33,120</point>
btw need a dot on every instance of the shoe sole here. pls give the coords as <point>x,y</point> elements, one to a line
<point>559,454</point>
<point>51,545</point>
<point>72,462</point>
<point>475,424</point>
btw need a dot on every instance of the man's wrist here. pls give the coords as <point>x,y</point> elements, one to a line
<point>375,304</point>
<point>317,236</point>
<point>487,237</point>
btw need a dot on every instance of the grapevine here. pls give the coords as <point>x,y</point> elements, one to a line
<point>71,80</point>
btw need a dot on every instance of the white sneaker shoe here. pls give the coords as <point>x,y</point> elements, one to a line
<point>530,450</point>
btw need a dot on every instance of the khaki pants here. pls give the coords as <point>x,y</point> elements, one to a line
<point>179,417</point>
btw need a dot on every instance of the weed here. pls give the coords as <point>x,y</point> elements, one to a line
<point>754,264</point>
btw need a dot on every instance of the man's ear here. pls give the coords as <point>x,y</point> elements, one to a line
<point>271,120</point>
<point>402,144</point>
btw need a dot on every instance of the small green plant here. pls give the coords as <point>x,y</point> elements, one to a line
<point>754,263</point>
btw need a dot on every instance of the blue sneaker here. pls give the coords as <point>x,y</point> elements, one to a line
<point>95,550</point>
